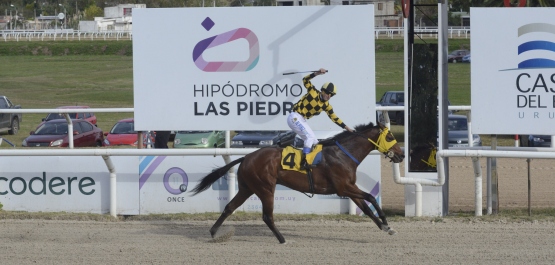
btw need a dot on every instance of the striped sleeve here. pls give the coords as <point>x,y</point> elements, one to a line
<point>306,82</point>
<point>329,110</point>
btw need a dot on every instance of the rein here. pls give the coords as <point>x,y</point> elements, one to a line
<point>382,145</point>
<point>347,152</point>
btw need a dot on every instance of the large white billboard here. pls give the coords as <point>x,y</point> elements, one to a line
<point>513,70</point>
<point>222,68</point>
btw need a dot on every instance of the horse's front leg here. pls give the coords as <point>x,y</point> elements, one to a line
<point>381,214</point>
<point>358,196</point>
<point>368,197</point>
<point>366,210</point>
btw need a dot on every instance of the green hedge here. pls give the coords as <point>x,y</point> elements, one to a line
<point>61,48</point>
<point>125,47</point>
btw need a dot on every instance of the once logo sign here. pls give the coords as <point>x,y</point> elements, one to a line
<point>149,164</point>
<point>240,33</point>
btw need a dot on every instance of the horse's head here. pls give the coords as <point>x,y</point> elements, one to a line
<point>386,144</point>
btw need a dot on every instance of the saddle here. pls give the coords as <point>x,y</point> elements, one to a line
<point>291,158</point>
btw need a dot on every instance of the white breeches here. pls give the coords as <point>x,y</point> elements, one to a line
<point>298,124</point>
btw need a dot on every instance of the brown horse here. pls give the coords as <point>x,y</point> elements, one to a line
<point>422,158</point>
<point>260,172</point>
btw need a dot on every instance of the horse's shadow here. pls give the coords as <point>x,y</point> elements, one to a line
<point>238,231</point>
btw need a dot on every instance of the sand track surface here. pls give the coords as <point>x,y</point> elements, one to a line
<point>308,242</point>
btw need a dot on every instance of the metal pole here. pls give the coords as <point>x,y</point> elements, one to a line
<point>14,23</point>
<point>529,189</point>
<point>140,136</point>
<point>488,186</point>
<point>494,179</point>
<point>113,183</point>
<point>69,130</point>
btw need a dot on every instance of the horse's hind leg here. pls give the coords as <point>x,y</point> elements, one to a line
<point>268,215</point>
<point>237,201</point>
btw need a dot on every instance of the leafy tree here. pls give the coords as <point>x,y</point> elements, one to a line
<point>93,11</point>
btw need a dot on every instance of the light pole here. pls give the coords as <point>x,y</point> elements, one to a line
<point>64,15</point>
<point>15,26</point>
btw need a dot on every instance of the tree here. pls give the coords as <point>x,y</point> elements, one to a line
<point>93,11</point>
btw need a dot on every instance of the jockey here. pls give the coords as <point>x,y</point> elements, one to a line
<point>311,104</point>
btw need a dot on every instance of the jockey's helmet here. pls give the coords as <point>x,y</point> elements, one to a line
<point>329,88</point>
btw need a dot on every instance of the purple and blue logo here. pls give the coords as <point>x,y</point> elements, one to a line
<point>148,164</point>
<point>239,33</point>
<point>535,46</point>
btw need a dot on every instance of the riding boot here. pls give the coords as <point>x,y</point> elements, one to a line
<point>304,163</point>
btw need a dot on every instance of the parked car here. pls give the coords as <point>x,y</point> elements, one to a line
<point>123,133</point>
<point>199,139</point>
<point>539,140</point>
<point>54,133</point>
<point>9,121</point>
<point>88,116</point>
<point>457,132</point>
<point>457,56</point>
<point>466,58</point>
<point>392,98</point>
<point>257,139</point>
<point>320,135</point>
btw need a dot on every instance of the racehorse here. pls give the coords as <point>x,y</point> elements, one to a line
<point>423,158</point>
<point>260,172</point>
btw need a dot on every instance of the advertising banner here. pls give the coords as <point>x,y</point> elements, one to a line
<point>67,184</point>
<point>148,185</point>
<point>166,181</point>
<point>222,68</point>
<point>513,70</point>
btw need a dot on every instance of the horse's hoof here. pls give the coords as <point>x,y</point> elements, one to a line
<point>391,232</point>
<point>388,229</point>
<point>223,236</point>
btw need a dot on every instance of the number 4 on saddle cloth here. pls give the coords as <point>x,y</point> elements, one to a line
<point>291,158</point>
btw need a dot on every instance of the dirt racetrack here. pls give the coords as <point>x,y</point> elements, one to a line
<point>446,240</point>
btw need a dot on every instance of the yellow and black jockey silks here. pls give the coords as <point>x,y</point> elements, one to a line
<point>311,104</point>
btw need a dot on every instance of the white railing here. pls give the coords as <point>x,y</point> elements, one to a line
<point>42,35</point>
<point>67,34</point>
<point>426,32</point>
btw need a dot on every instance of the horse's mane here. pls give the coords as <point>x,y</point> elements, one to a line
<point>345,134</point>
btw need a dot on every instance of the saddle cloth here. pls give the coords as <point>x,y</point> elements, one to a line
<point>291,158</point>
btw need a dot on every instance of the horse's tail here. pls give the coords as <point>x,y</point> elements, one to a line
<point>214,176</point>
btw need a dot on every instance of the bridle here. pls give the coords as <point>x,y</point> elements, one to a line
<point>382,145</point>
